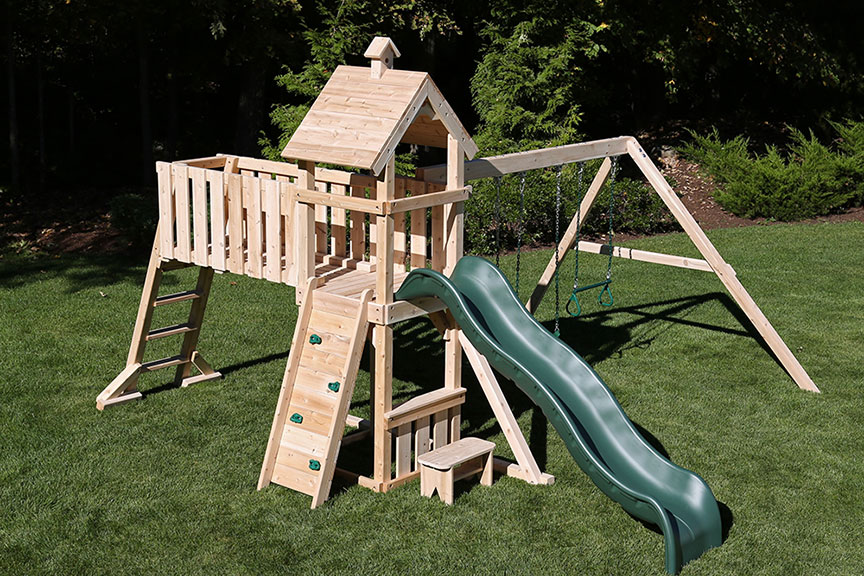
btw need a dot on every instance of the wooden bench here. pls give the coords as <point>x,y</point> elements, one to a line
<point>438,467</point>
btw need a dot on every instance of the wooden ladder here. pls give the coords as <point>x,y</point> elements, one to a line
<point>316,393</point>
<point>125,386</point>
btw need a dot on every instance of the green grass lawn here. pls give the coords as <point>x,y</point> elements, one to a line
<point>167,485</point>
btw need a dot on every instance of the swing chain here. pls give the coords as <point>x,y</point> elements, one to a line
<point>605,297</point>
<point>557,238</point>
<point>573,297</point>
<point>614,173</point>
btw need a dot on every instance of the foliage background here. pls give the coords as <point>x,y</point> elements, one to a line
<point>95,91</point>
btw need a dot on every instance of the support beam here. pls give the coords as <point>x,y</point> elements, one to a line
<point>645,256</point>
<point>527,468</point>
<point>533,159</point>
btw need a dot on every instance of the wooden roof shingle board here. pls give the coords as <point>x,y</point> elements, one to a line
<point>358,120</point>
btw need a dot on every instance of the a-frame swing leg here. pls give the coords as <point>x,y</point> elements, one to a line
<point>124,387</point>
<point>724,271</point>
<point>712,257</point>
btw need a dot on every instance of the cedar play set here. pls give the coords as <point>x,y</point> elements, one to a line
<point>367,249</point>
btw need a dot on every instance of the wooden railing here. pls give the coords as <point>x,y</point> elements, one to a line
<point>236,214</point>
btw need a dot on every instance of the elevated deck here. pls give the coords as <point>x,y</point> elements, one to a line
<point>350,282</point>
<point>242,215</point>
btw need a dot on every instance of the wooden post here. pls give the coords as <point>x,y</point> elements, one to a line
<point>453,242</point>
<point>724,272</point>
<point>382,336</point>
<point>304,245</point>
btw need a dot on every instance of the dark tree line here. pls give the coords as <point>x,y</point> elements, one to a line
<point>95,90</point>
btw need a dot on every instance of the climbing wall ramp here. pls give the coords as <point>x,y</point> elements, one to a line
<point>316,392</point>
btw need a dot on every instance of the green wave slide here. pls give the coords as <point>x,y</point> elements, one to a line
<point>580,406</point>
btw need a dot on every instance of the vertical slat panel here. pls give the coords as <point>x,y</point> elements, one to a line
<point>338,230</point>
<point>181,202</point>
<point>400,240</point>
<point>289,274</point>
<point>199,215</point>
<point>403,449</point>
<point>217,219</point>
<point>418,230</point>
<point>254,236</point>
<point>166,210</point>
<point>439,429</point>
<point>235,223</point>
<point>321,222</point>
<point>437,234</point>
<point>358,227</point>
<point>274,244</point>
<point>373,230</point>
<point>421,439</point>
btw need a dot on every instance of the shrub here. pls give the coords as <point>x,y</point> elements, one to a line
<point>637,209</point>
<point>807,179</point>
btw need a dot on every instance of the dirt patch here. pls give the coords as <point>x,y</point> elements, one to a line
<point>697,193</point>
<point>61,227</point>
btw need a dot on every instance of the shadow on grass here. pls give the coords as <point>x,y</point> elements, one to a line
<point>598,336</point>
<point>254,362</point>
<point>82,273</point>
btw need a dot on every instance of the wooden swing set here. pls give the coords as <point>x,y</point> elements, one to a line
<point>345,241</point>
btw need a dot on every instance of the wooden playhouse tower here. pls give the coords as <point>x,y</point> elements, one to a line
<point>345,240</point>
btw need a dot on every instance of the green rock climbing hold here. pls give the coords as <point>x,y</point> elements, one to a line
<point>314,339</point>
<point>297,418</point>
<point>334,386</point>
<point>314,465</point>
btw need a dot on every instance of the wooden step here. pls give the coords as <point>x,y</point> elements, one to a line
<point>304,481</point>
<point>171,265</point>
<point>315,359</point>
<point>178,297</point>
<point>316,418</point>
<point>297,458</point>
<point>334,304</point>
<point>170,331</point>
<point>296,437</point>
<point>424,405</point>
<point>154,365</point>
<point>456,453</point>
<point>330,323</point>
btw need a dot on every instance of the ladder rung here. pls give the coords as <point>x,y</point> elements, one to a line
<point>178,297</point>
<point>175,265</point>
<point>169,331</point>
<point>163,363</point>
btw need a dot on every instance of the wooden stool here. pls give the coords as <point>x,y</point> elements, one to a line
<point>437,468</point>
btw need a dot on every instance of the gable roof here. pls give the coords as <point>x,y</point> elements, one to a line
<point>358,120</point>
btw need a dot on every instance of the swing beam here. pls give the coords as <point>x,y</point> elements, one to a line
<point>620,146</point>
